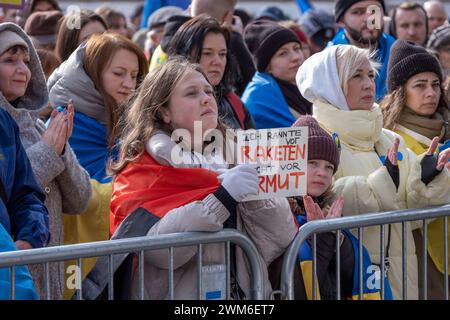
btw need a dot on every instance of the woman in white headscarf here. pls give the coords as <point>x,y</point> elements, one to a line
<point>339,81</point>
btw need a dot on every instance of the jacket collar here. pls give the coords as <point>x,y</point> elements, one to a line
<point>358,129</point>
<point>70,81</point>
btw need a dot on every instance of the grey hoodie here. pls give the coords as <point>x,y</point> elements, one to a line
<point>70,81</point>
<point>64,181</point>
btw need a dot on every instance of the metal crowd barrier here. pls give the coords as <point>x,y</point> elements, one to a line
<point>140,245</point>
<point>360,221</point>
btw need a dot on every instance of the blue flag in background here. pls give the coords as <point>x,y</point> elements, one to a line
<point>153,5</point>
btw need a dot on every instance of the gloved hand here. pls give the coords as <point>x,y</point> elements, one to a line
<point>391,163</point>
<point>433,164</point>
<point>240,181</point>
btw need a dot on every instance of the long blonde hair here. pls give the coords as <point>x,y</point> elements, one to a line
<point>144,116</point>
<point>349,59</point>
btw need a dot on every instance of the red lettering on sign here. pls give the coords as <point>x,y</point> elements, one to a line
<point>275,153</point>
<point>277,182</point>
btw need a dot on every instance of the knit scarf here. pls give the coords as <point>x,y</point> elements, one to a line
<point>429,127</point>
<point>294,98</point>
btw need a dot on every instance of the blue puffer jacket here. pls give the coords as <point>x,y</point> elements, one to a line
<point>24,287</point>
<point>22,210</point>
<point>266,103</point>
<point>384,48</point>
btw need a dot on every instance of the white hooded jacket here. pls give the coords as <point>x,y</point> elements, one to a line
<point>362,179</point>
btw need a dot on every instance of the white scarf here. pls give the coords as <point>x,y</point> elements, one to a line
<point>164,150</point>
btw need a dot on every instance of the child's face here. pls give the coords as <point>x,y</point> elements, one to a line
<point>192,100</point>
<point>320,175</point>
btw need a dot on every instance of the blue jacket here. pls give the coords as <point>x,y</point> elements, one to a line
<point>24,287</point>
<point>266,103</point>
<point>384,48</point>
<point>151,6</point>
<point>22,212</point>
<point>92,150</point>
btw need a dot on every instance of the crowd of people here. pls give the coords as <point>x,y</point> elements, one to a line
<point>91,103</point>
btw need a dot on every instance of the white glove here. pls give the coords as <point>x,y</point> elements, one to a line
<point>240,181</point>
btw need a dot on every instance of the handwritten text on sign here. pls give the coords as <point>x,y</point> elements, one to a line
<point>281,158</point>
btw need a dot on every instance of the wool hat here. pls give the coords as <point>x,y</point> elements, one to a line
<point>439,37</point>
<point>321,146</point>
<point>162,15</point>
<point>341,6</point>
<point>170,28</point>
<point>42,27</point>
<point>10,39</point>
<point>263,38</point>
<point>407,59</point>
<point>315,20</point>
<point>319,25</point>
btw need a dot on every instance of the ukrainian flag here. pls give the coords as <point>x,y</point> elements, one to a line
<point>89,142</point>
<point>371,272</point>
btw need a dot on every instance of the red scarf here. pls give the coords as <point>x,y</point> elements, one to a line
<point>147,184</point>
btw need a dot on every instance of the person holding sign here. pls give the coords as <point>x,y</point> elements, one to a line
<point>323,162</point>
<point>416,109</point>
<point>340,83</point>
<point>181,196</point>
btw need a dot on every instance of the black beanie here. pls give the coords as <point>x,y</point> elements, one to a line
<point>170,28</point>
<point>407,59</point>
<point>264,38</point>
<point>342,5</point>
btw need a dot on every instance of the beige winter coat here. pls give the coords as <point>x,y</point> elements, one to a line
<point>367,187</point>
<point>268,223</point>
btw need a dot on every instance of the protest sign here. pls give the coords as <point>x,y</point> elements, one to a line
<point>281,156</point>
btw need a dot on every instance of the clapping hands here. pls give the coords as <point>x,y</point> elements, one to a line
<point>314,212</point>
<point>443,157</point>
<point>59,129</point>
